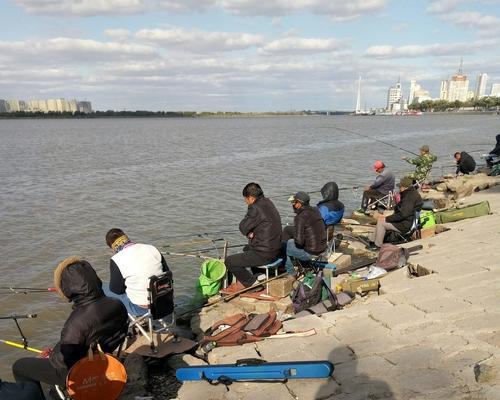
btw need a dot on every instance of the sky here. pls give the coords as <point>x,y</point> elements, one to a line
<point>241,55</point>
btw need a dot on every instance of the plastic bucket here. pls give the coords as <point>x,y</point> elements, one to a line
<point>212,273</point>
<point>430,222</point>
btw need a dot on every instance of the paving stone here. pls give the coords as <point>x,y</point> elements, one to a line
<point>307,322</point>
<point>231,354</point>
<point>313,389</point>
<point>258,391</point>
<point>201,391</point>
<point>479,322</point>
<point>414,357</point>
<point>447,306</point>
<point>398,316</point>
<point>424,380</point>
<point>358,330</point>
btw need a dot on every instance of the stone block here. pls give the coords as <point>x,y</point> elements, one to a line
<point>307,322</point>
<point>281,287</point>
<point>313,389</point>
<point>201,391</point>
<point>183,360</point>
<point>231,354</point>
<point>343,264</point>
<point>358,330</point>
<point>424,381</point>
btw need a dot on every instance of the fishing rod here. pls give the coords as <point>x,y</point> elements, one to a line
<point>15,317</point>
<point>208,249</point>
<point>26,290</point>
<point>375,139</point>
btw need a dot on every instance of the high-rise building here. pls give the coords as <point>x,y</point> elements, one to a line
<point>481,82</point>
<point>73,106</point>
<point>417,93</point>
<point>3,106</point>
<point>394,96</point>
<point>458,88</point>
<point>85,107</point>
<point>495,90</point>
<point>443,91</point>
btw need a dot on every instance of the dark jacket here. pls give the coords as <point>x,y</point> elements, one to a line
<point>264,221</point>
<point>330,208</point>
<point>404,213</point>
<point>310,230</point>
<point>94,319</point>
<point>466,163</point>
<point>496,150</point>
<point>384,182</point>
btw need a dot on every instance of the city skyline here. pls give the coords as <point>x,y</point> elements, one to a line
<point>244,55</point>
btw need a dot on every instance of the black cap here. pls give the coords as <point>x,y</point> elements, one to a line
<point>301,197</point>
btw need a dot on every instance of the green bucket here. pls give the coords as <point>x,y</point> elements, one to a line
<point>431,221</point>
<point>212,273</point>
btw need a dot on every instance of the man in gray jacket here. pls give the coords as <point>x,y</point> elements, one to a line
<point>383,184</point>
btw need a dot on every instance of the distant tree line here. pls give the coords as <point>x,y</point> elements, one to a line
<point>483,104</point>
<point>98,114</point>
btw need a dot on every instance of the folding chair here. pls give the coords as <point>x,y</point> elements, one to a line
<point>160,306</point>
<point>273,265</point>
<point>414,230</point>
<point>386,203</point>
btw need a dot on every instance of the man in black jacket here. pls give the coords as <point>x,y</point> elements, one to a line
<point>465,163</point>
<point>95,319</point>
<point>404,213</point>
<point>262,226</point>
<point>309,237</point>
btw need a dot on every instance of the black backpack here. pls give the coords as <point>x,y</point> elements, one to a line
<point>308,293</point>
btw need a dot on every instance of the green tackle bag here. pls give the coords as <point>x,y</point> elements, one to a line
<point>457,214</point>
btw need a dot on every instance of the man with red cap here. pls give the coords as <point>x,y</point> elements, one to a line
<point>383,184</point>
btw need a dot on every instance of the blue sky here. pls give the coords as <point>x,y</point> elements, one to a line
<point>242,55</point>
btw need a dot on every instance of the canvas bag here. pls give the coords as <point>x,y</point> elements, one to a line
<point>391,256</point>
<point>242,328</point>
<point>308,294</point>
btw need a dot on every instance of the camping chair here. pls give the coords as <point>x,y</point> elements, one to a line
<point>414,230</point>
<point>386,203</point>
<point>160,306</point>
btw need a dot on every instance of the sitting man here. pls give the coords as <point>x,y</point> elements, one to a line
<point>423,164</point>
<point>381,186</point>
<point>309,238</point>
<point>95,318</point>
<point>404,214</point>
<point>130,269</point>
<point>262,226</point>
<point>331,208</point>
<point>465,163</point>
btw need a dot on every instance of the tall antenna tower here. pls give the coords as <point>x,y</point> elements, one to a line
<point>358,100</point>
<point>460,68</point>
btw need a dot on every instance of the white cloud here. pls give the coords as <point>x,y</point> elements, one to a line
<point>484,24</point>
<point>442,6</point>
<point>336,9</point>
<point>68,50</point>
<point>117,34</point>
<point>436,49</point>
<point>200,41</point>
<point>296,45</point>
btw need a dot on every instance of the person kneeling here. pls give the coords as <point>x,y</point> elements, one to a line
<point>309,238</point>
<point>95,319</point>
<point>404,214</point>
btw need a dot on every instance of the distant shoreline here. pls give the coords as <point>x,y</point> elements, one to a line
<point>194,114</point>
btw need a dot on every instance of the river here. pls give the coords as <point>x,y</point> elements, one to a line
<point>65,183</point>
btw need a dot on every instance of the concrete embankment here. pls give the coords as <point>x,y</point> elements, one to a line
<point>431,337</point>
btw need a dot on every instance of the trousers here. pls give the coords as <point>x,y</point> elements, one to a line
<point>240,263</point>
<point>36,370</point>
<point>380,230</point>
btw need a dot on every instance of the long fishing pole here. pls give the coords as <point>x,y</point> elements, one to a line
<point>20,346</point>
<point>375,139</point>
<point>27,289</point>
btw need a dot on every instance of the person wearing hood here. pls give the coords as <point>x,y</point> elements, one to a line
<point>404,214</point>
<point>493,157</point>
<point>309,237</point>
<point>262,226</point>
<point>330,208</point>
<point>465,163</point>
<point>95,319</point>
<point>130,269</point>
<point>381,186</point>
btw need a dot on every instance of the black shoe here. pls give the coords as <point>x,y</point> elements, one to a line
<point>372,246</point>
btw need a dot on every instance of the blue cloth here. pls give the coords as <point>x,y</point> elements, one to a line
<point>294,251</point>
<point>331,217</point>
<point>132,308</point>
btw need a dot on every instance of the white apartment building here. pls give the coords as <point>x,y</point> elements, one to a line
<point>481,82</point>
<point>443,91</point>
<point>417,93</point>
<point>495,90</point>
<point>394,96</point>
<point>3,106</point>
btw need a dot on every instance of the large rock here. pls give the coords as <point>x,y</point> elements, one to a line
<point>137,377</point>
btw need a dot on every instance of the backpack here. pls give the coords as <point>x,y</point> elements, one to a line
<point>241,328</point>
<point>391,257</point>
<point>309,292</point>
